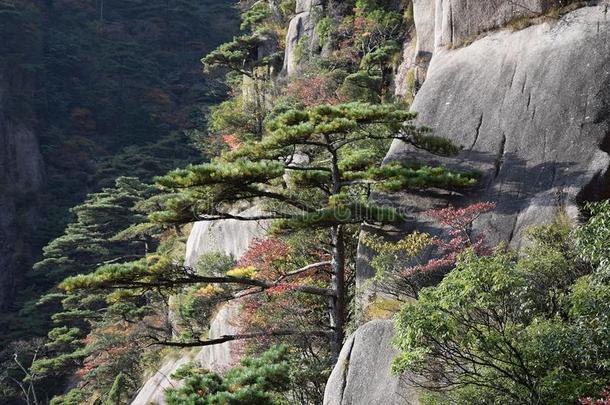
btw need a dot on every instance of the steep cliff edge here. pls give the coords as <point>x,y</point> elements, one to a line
<point>21,176</point>
<point>531,110</point>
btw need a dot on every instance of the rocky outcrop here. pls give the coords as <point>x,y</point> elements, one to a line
<point>21,176</point>
<point>231,237</point>
<point>302,37</point>
<point>363,376</point>
<point>217,358</point>
<point>531,109</point>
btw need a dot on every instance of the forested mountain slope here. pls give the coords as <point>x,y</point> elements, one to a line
<point>91,91</point>
<point>399,201</point>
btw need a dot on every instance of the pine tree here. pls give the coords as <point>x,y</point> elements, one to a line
<point>314,170</point>
<point>108,228</point>
<point>89,241</point>
<point>259,380</point>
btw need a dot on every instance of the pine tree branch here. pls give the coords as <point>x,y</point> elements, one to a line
<point>309,168</point>
<point>244,336</point>
<point>241,218</point>
<point>196,279</point>
<point>304,269</point>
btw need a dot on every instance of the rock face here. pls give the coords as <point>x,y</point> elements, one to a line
<point>217,358</point>
<point>451,22</point>
<point>221,357</point>
<point>531,109</point>
<point>21,176</point>
<point>302,35</point>
<point>231,237</point>
<point>362,375</point>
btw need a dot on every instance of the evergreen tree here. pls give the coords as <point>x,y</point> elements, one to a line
<point>257,381</point>
<point>90,241</point>
<point>116,396</point>
<point>314,170</point>
<point>107,228</point>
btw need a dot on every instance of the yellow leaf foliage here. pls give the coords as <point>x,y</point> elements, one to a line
<point>411,245</point>
<point>243,272</point>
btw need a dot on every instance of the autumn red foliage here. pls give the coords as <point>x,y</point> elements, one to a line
<point>459,221</point>
<point>231,141</point>
<point>266,255</point>
<point>279,307</point>
<point>316,90</point>
<point>604,399</point>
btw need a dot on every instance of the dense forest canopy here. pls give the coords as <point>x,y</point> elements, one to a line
<point>112,88</point>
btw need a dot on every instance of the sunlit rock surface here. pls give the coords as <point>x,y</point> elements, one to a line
<point>231,237</point>
<point>531,111</point>
<point>362,375</point>
<point>302,35</point>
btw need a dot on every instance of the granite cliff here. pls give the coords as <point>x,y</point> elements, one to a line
<point>232,238</point>
<point>529,107</point>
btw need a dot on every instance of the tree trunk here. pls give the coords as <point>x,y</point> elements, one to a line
<point>337,283</point>
<point>337,301</point>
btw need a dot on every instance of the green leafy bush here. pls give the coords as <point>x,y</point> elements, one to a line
<point>519,329</point>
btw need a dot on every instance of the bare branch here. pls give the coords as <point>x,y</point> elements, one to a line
<point>245,336</point>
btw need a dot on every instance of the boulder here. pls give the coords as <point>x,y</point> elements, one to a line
<point>223,356</point>
<point>530,109</point>
<point>363,376</point>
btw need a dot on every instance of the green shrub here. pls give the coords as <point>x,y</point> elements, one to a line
<point>519,329</point>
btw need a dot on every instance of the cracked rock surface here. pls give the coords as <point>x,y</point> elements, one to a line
<point>363,376</point>
<point>532,111</point>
